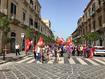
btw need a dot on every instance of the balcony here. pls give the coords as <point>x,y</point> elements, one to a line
<point>31,7</point>
<point>92,13</point>
<point>25,2</point>
<point>98,7</point>
<point>103,1</point>
<point>14,20</point>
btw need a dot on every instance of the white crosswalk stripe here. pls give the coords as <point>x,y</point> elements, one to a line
<point>61,61</point>
<point>31,61</point>
<point>100,61</point>
<point>71,61</point>
<point>24,60</point>
<point>92,62</point>
<point>81,61</point>
<point>51,61</point>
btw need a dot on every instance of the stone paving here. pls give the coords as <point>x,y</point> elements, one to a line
<point>48,71</point>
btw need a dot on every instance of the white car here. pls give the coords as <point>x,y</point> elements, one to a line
<point>99,50</point>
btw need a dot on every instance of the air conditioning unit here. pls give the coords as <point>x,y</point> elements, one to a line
<point>3,11</point>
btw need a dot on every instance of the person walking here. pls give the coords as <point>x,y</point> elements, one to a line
<point>34,52</point>
<point>17,47</point>
<point>69,50</point>
<point>78,50</point>
<point>74,50</point>
<point>58,53</point>
<point>81,50</point>
<point>38,54</point>
<point>62,50</point>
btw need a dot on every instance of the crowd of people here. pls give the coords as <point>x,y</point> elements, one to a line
<point>47,52</point>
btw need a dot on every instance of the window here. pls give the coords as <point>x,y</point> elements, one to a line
<point>100,20</point>
<point>31,2</point>
<point>24,16</point>
<point>85,16</point>
<point>36,25</point>
<point>99,2</point>
<point>89,11</point>
<point>41,29</point>
<point>94,25</point>
<point>86,30</point>
<point>89,27</point>
<point>30,21</point>
<point>13,8</point>
<point>35,7</point>
<point>93,7</point>
<point>83,31</point>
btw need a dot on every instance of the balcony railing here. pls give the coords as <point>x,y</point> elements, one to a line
<point>92,13</point>
<point>25,2</point>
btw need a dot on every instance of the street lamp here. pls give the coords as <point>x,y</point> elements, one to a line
<point>22,37</point>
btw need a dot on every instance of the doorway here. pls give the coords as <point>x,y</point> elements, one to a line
<point>12,43</point>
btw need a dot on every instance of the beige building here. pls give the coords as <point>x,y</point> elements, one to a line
<point>47,22</point>
<point>93,20</point>
<point>23,14</point>
<point>44,28</point>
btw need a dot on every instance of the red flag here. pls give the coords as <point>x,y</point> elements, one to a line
<point>60,41</point>
<point>91,52</point>
<point>27,44</point>
<point>40,41</point>
<point>69,41</point>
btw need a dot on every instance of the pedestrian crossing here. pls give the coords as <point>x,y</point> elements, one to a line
<point>72,60</point>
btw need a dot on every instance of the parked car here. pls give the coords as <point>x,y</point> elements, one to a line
<point>99,50</point>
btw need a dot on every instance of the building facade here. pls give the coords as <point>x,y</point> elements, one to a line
<point>93,20</point>
<point>23,14</point>
<point>47,22</point>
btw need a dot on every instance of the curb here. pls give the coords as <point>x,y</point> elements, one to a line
<point>10,59</point>
<point>3,62</point>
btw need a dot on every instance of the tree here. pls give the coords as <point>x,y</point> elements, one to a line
<point>5,29</point>
<point>29,33</point>
<point>91,37</point>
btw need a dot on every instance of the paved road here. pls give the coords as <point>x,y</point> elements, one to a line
<point>48,71</point>
<point>73,68</point>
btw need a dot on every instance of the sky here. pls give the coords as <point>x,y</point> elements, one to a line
<point>63,15</point>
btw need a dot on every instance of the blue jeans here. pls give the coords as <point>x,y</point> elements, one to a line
<point>38,56</point>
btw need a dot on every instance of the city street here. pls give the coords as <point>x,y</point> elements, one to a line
<point>73,68</point>
<point>47,71</point>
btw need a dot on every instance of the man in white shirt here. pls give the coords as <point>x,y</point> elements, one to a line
<point>17,49</point>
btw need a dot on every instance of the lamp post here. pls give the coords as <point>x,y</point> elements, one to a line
<point>22,37</point>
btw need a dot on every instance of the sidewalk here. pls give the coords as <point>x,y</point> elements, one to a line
<point>11,57</point>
